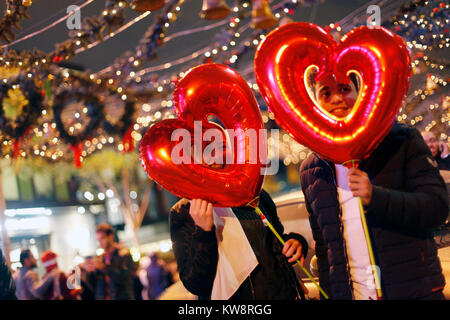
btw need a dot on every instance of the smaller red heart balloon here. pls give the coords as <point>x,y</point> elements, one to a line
<point>376,56</point>
<point>217,90</point>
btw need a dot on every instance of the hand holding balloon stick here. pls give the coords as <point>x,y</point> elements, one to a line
<point>254,204</point>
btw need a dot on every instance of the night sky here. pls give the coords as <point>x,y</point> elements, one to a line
<point>43,12</point>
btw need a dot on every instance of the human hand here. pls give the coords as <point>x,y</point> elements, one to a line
<point>443,147</point>
<point>360,185</point>
<point>293,249</point>
<point>98,263</point>
<point>201,212</point>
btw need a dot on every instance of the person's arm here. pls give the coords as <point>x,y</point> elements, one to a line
<point>195,251</point>
<point>35,287</point>
<point>271,210</point>
<point>424,203</point>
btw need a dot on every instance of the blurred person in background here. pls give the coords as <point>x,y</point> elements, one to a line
<point>87,278</point>
<point>7,287</point>
<point>58,289</point>
<point>173,269</point>
<point>115,270</point>
<point>138,287</point>
<point>144,263</point>
<point>156,277</point>
<point>28,286</point>
<point>439,150</point>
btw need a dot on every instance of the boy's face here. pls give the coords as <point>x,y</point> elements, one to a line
<point>210,158</point>
<point>336,98</point>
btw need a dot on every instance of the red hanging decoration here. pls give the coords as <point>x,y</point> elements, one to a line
<point>127,140</point>
<point>57,59</point>
<point>18,142</point>
<point>16,147</point>
<point>77,148</point>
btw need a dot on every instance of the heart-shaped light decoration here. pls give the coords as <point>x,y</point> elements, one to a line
<point>378,57</point>
<point>209,89</point>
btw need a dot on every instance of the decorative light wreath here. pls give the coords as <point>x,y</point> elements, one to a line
<point>94,112</point>
<point>16,129</point>
<point>124,123</point>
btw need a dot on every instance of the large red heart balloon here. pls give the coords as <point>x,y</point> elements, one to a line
<point>209,89</point>
<point>377,56</point>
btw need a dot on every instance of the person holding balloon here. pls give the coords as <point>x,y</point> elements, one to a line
<point>370,186</point>
<point>405,199</point>
<point>228,253</point>
<point>228,240</point>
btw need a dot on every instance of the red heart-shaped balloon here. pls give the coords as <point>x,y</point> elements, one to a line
<point>209,89</point>
<point>378,57</point>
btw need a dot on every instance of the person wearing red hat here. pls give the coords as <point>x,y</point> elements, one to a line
<point>59,289</point>
<point>28,286</point>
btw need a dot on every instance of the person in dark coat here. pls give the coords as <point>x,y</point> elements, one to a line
<point>195,246</point>
<point>438,149</point>
<point>115,269</point>
<point>404,199</point>
<point>7,287</point>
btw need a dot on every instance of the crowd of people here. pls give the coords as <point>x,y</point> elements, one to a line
<point>111,276</point>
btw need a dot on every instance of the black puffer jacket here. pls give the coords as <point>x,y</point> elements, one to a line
<point>197,255</point>
<point>409,200</point>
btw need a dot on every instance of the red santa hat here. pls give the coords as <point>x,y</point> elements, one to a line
<point>49,260</point>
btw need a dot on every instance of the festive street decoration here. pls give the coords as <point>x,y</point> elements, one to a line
<point>93,109</point>
<point>423,23</point>
<point>150,93</point>
<point>262,16</point>
<point>20,109</point>
<point>123,127</point>
<point>16,11</point>
<point>214,9</point>
<point>147,5</point>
